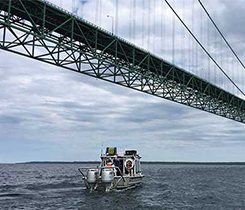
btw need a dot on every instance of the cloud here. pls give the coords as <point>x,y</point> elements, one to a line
<point>48,113</point>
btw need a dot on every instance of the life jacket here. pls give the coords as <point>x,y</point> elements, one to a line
<point>109,165</point>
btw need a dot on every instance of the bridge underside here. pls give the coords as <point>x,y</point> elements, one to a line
<point>41,31</point>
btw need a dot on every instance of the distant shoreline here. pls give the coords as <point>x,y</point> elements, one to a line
<point>143,162</point>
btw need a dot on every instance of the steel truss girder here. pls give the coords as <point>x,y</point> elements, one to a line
<point>81,47</point>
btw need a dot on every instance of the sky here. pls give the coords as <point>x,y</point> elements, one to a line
<point>51,114</point>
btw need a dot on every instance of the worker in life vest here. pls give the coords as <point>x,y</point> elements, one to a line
<point>109,164</point>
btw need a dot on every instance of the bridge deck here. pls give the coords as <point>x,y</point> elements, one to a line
<point>42,31</point>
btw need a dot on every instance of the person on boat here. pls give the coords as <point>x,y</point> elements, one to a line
<point>109,164</point>
<point>116,163</point>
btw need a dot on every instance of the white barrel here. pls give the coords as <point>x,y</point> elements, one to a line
<point>107,175</point>
<point>92,176</point>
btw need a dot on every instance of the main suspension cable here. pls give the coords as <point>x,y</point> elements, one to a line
<point>215,25</point>
<point>204,49</point>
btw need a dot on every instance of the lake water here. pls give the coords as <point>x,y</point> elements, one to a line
<point>60,186</point>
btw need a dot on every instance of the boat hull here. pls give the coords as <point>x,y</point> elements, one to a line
<point>127,182</point>
<point>118,183</point>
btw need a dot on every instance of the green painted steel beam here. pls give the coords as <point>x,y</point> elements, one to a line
<point>45,32</point>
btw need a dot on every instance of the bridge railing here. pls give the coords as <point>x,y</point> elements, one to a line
<point>106,31</point>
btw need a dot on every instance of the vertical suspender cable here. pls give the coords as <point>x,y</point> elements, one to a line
<point>201,34</point>
<point>221,34</point>
<point>189,52</point>
<point>232,68</point>
<point>82,10</point>
<point>130,19</point>
<point>227,60</point>
<point>143,24</point>
<point>216,53</point>
<point>239,75</point>
<point>221,54</point>
<point>134,20</point>
<point>100,12</point>
<point>204,49</point>
<point>173,36</point>
<point>243,79</point>
<point>149,25</point>
<point>117,17</point>
<point>96,11</point>
<point>154,25</point>
<point>208,31</point>
<point>192,41</point>
<point>183,31</point>
<point>197,58</point>
<point>162,36</point>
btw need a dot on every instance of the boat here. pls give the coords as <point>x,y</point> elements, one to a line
<point>115,172</point>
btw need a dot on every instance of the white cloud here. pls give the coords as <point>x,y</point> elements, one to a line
<point>54,114</point>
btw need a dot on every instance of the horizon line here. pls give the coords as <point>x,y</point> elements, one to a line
<point>143,162</point>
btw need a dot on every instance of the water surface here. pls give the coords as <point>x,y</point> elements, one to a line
<point>59,186</point>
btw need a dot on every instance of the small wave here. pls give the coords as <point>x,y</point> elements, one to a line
<point>9,195</point>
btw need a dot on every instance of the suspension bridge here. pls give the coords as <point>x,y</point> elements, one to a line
<point>43,31</point>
